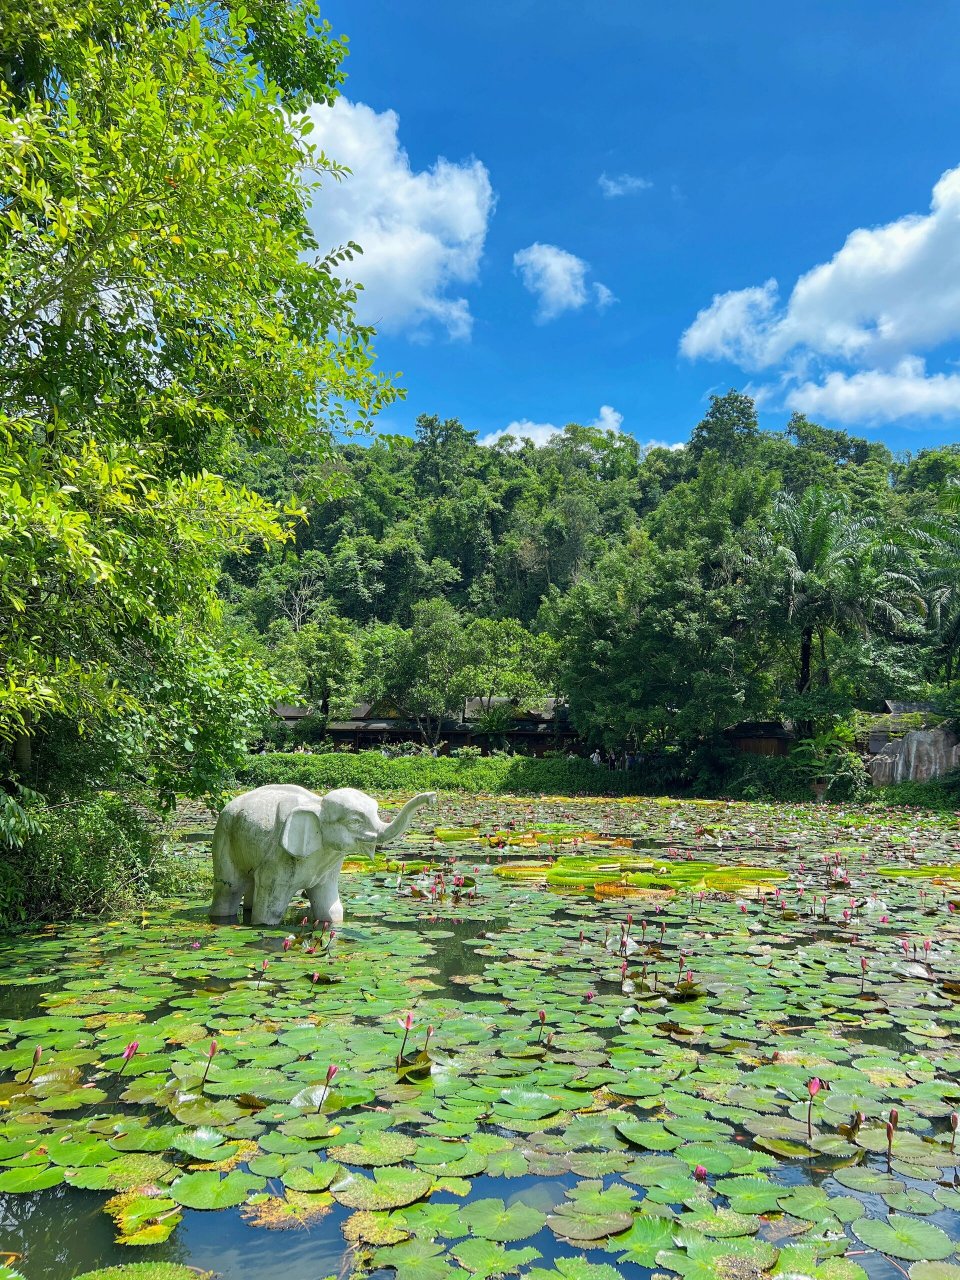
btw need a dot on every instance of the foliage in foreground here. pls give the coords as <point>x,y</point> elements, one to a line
<point>162,301</point>
<point>83,859</point>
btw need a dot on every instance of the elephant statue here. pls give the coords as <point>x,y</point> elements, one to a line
<point>273,842</point>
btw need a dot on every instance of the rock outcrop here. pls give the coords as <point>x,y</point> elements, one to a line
<point>918,756</point>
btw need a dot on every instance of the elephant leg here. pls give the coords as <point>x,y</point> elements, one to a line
<point>271,897</point>
<point>247,913</point>
<point>227,880</point>
<point>325,901</point>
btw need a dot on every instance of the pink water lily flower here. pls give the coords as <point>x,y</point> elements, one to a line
<point>127,1054</point>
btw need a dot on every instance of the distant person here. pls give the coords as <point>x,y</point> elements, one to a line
<point>631,761</point>
<point>595,757</point>
<point>611,760</point>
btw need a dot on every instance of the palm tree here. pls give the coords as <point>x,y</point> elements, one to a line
<point>940,539</point>
<point>837,573</point>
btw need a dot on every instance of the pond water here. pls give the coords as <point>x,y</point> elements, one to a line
<point>672,1048</point>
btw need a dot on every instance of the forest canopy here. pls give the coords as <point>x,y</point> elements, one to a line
<point>664,595</point>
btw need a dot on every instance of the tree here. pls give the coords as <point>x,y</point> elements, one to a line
<point>729,428</point>
<point>323,659</point>
<point>425,672</point>
<point>834,573</point>
<point>508,661</point>
<point>647,647</point>
<point>161,301</point>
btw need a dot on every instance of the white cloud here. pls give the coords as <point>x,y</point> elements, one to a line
<point>541,433</point>
<point>731,328</point>
<point>661,444</point>
<point>887,294</point>
<point>422,231</point>
<point>877,396</point>
<point>622,184</point>
<point>558,280</point>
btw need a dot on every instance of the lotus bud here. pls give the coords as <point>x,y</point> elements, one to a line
<point>813,1088</point>
<point>331,1072</point>
<point>407,1025</point>
<point>127,1054</point>
<point>894,1117</point>
<point>700,1173</point>
<point>211,1054</point>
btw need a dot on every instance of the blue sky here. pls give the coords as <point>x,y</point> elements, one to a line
<point>577,212</point>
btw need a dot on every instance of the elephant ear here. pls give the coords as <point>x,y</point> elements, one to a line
<point>301,834</point>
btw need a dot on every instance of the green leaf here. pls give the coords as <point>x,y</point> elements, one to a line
<point>416,1260</point>
<point>208,1190</point>
<point>493,1220</point>
<point>903,1237</point>
<point>486,1260</point>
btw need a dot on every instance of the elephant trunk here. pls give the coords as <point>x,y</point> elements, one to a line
<point>393,830</point>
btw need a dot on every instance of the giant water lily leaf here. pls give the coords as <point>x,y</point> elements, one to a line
<point>431,1220</point>
<point>378,1149</point>
<point>203,1144</point>
<point>702,1258</point>
<point>643,1241</point>
<point>904,1237</point>
<point>813,1205</point>
<point>146,1271</point>
<point>389,1188</point>
<point>807,1261</point>
<point>493,1220</point>
<point>143,1219</point>
<point>575,1269</point>
<point>644,1133</point>
<point>30,1178</point>
<point>750,1195</point>
<point>208,1190</point>
<point>417,1260</point>
<point>485,1260</point>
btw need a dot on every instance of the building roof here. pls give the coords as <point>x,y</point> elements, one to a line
<point>475,707</point>
<point>289,711</point>
<point>760,729</point>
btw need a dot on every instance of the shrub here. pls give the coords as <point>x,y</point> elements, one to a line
<point>750,777</point>
<point>504,775</point>
<point>940,794</point>
<point>83,859</point>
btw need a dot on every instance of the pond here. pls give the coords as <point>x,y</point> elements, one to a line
<point>572,1040</point>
